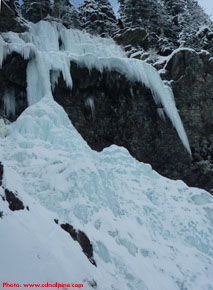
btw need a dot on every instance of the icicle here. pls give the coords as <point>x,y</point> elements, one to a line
<point>1,51</point>
<point>15,43</point>
<point>38,78</point>
<point>54,76</point>
<point>89,102</point>
<point>38,74</point>
<point>61,63</point>
<point>161,113</point>
<point>29,51</point>
<point>9,103</point>
<point>131,92</point>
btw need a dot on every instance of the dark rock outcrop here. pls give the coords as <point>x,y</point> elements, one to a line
<point>13,80</point>
<point>82,239</point>
<point>92,284</point>
<point>1,173</point>
<point>136,37</point>
<point>14,202</point>
<point>9,18</point>
<point>192,76</point>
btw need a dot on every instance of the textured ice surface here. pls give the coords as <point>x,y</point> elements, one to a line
<point>148,232</point>
<point>51,47</point>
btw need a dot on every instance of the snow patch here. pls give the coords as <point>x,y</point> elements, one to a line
<point>4,129</point>
<point>180,49</point>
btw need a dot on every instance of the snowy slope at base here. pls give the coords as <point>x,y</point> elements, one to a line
<point>148,232</point>
<point>33,249</point>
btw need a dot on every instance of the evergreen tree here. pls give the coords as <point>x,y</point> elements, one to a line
<point>188,18</point>
<point>66,12</point>
<point>175,7</point>
<point>193,20</point>
<point>135,13</point>
<point>151,16</point>
<point>35,10</point>
<point>169,23</point>
<point>97,17</point>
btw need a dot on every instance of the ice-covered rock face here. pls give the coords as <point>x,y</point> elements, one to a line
<point>50,48</point>
<point>148,232</point>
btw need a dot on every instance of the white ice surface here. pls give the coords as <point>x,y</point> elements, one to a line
<point>4,129</point>
<point>148,232</point>
<point>51,47</point>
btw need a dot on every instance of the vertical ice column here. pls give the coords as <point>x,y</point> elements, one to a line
<point>1,51</point>
<point>161,93</point>
<point>38,78</point>
<point>9,103</point>
<point>89,102</point>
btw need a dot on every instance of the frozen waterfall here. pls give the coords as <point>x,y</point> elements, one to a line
<point>41,46</point>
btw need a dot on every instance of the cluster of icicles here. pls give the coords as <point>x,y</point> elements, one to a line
<point>50,48</point>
